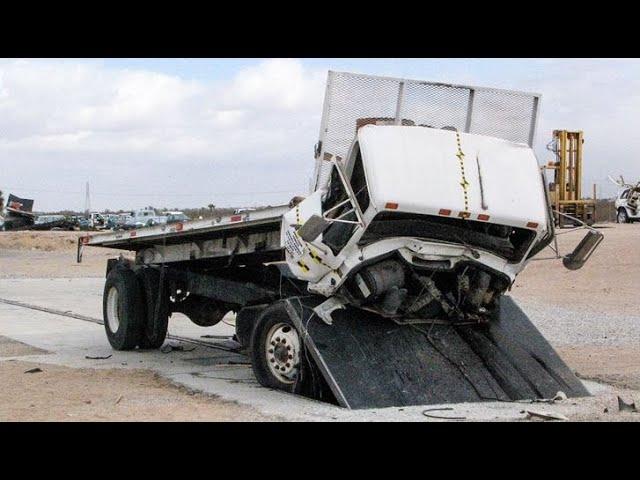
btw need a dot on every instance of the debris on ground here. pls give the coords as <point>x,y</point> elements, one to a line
<point>33,370</point>
<point>626,407</point>
<point>89,357</point>
<point>167,348</point>
<point>118,400</point>
<point>427,413</point>
<point>558,397</point>
<point>545,415</point>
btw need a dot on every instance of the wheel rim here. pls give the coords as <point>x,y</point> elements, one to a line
<point>282,350</point>
<point>113,318</point>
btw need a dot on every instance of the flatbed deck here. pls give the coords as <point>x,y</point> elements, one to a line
<point>140,238</point>
<point>254,231</point>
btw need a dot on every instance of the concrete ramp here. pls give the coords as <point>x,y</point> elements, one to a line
<point>371,362</point>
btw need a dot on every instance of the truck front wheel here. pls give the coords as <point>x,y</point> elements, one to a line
<point>622,216</point>
<point>276,350</point>
<point>122,309</point>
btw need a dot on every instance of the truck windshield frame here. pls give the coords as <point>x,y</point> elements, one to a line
<point>510,243</point>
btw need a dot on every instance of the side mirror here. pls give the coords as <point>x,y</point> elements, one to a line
<point>583,250</point>
<point>312,228</point>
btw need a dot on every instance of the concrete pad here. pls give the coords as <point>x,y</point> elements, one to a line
<point>205,369</point>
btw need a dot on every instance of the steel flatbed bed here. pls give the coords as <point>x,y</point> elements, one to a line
<point>254,231</point>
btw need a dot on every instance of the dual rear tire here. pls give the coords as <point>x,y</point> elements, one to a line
<point>135,310</point>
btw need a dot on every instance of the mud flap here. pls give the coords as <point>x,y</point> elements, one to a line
<point>371,362</point>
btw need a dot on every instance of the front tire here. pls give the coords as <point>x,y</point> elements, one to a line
<point>122,309</point>
<point>622,216</point>
<point>276,350</point>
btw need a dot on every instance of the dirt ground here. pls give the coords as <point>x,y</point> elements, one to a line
<point>50,255</point>
<point>43,241</point>
<point>607,284</point>
<point>80,394</point>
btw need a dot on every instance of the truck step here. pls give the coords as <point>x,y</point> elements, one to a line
<point>371,362</point>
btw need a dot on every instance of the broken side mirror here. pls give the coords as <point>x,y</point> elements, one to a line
<point>583,250</point>
<point>312,228</point>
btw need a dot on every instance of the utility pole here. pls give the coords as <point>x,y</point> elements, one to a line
<point>87,202</point>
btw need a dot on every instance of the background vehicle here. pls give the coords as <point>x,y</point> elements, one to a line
<point>627,201</point>
<point>53,222</point>
<point>174,217</point>
<point>97,221</point>
<point>144,217</point>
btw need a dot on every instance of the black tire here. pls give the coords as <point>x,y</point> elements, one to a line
<point>622,216</point>
<point>271,316</point>
<point>308,382</point>
<point>154,328</point>
<point>123,296</point>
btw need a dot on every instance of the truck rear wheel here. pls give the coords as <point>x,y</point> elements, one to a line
<point>122,309</point>
<point>276,350</point>
<point>154,329</point>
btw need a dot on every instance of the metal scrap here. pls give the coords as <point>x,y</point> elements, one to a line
<point>33,370</point>
<point>440,417</point>
<point>89,357</point>
<point>545,415</point>
<point>167,348</point>
<point>626,407</point>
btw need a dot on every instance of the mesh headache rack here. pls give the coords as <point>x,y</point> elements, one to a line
<point>352,100</point>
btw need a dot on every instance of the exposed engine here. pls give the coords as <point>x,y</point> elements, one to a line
<point>396,289</point>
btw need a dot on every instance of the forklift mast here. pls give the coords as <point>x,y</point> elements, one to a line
<point>566,188</point>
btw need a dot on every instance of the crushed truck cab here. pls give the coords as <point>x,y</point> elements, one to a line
<point>420,223</point>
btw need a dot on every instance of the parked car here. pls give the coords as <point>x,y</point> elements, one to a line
<point>627,202</point>
<point>175,217</point>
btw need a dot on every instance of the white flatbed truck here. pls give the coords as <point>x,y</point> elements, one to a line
<point>385,286</point>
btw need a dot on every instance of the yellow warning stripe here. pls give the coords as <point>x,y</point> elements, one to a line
<point>463,183</point>
<point>303,266</point>
<point>298,222</point>
<point>315,256</point>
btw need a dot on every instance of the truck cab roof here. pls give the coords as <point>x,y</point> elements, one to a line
<point>429,171</point>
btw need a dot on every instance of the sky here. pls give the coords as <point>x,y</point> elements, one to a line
<point>182,133</point>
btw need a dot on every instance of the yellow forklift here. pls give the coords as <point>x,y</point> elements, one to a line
<point>566,189</point>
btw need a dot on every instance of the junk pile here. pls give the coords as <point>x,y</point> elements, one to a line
<point>18,214</point>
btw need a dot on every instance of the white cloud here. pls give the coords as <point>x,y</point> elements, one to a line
<point>65,120</point>
<point>132,130</point>
<point>60,106</point>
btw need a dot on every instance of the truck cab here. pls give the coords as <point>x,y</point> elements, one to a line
<point>421,221</point>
